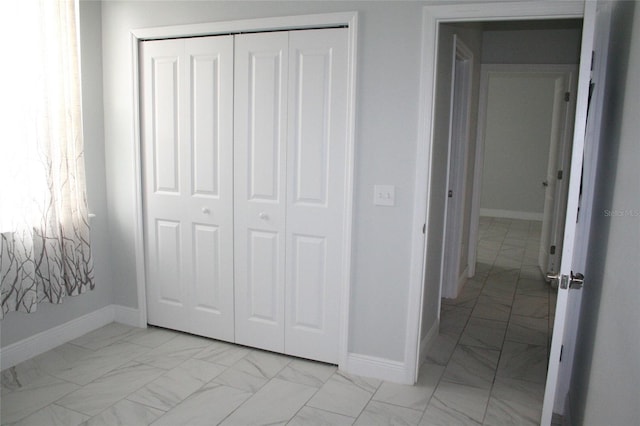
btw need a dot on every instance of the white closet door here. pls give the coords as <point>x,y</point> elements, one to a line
<point>260,188</point>
<point>187,141</point>
<point>316,164</point>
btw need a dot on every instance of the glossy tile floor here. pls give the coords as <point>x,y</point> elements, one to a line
<point>487,366</point>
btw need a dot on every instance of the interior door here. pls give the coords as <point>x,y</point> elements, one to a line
<point>556,183</point>
<point>454,273</point>
<point>581,186</point>
<point>316,189</point>
<point>261,68</point>
<point>188,188</point>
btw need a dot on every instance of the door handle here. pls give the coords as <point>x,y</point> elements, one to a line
<point>545,183</point>
<point>263,216</point>
<point>575,282</point>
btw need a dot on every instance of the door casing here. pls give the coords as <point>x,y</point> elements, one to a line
<point>432,17</point>
<point>330,20</point>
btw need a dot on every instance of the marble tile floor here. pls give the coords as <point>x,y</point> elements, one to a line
<point>487,366</point>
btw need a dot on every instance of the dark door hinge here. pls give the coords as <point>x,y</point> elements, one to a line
<point>567,96</point>
<point>560,174</point>
<point>424,228</point>
<point>552,250</point>
<point>561,350</point>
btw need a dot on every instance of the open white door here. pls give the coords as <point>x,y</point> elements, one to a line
<point>581,184</point>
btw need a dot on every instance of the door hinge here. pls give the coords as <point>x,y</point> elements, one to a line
<point>567,96</point>
<point>450,194</point>
<point>424,228</point>
<point>552,250</point>
<point>561,350</point>
<point>560,174</point>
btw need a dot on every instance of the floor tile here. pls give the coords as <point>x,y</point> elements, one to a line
<point>241,380</point>
<point>309,416</point>
<point>53,415</point>
<point>472,366</point>
<point>531,306</point>
<point>416,396</point>
<point>344,394</point>
<point>457,404</point>
<point>524,362</point>
<point>262,364</point>
<point>176,385</point>
<point>440,350</point>
<point>310,373</point>
<point>151,336</point>
<point>110,388</point>
<point>174,352</point>
<point>125,413</point>
<point>223,353</point>
<point>28,399</point>
<point>95,364</point>
<point>104,336</point>
<point>453,319</point>
<point>276,403</point>
<point>378,413</point>
<point>534,331</point>
<point>484,333</point>
<point>208,406</point>
<point>514,402</point>
<point>491,308</point>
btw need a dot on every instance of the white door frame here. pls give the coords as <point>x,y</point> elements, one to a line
<point>329,20</point>
<point>480,140</point>
<point>451,279</point>
<point>432,17</point>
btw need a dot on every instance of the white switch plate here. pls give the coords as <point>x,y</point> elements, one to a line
<point>384,195</point>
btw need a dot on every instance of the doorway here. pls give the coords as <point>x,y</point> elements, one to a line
<point>432,153</point>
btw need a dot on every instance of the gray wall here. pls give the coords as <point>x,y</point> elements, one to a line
<point>16,325</point>
<point>606,376</point>
<point>472,37</point>
<point>531,46</point>
<point>512,173</point>
<point>517,137</point>
<point>386,132</point>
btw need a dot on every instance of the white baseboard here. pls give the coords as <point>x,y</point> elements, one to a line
<point>511,214</point>
<point>126,315</point>
<point>377,368</point>
<point>428,340</point>
<point>42,342</point>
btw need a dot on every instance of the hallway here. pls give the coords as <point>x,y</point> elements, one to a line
<point>495,337</point>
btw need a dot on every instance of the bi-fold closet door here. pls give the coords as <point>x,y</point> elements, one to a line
<point>245,160</point>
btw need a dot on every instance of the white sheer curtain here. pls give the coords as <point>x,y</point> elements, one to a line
<point>44,246</point>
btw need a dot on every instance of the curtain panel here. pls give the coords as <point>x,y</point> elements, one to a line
<point>45,251</point>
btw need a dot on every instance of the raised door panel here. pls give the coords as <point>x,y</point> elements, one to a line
<point>260,190</point>
<point>316,164</point>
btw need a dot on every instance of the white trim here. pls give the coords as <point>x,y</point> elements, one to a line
<point>432,17</point>
<point>511,214</point>
<point>44,341</point>
<point>428,340</point>
<point>377,368</point>
<point>348,19</point>
<point>128,316</point>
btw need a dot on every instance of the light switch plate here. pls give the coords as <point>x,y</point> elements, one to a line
<point>384,195</point>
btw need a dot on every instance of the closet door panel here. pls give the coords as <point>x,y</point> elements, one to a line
<point>316,164</point>
<point>168,295</point>
<point>188,183</point>
<point>260,188</point>
<point>210,132</point>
